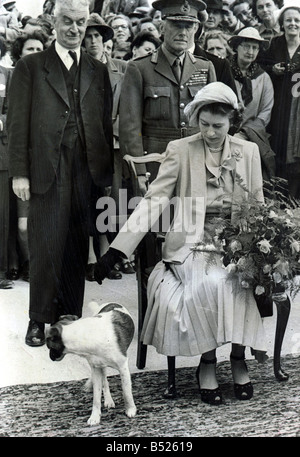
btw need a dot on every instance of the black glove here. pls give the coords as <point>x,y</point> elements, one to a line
<point>106,263</point>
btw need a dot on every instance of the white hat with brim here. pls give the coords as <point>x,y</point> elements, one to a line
<point>216,92</point>
<point>248,33</point>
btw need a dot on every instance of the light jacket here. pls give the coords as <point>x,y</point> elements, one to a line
<point>183,174</point>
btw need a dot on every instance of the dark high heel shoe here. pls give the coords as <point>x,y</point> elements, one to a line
<point>242,391</point>
<point>210,396</point>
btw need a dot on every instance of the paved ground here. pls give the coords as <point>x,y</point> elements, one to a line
<point>21,364</point>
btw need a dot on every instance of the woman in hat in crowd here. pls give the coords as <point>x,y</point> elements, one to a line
<point>192,308</point>
<point>255,92</point>
<point>282,61</point>
<point>215,15</point>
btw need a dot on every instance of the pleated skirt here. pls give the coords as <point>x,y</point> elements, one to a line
<point>194,308</point>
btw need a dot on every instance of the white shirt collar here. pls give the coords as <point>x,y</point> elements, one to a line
<point>65,56</point>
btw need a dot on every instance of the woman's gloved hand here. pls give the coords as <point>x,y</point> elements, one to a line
<point>106,263</point>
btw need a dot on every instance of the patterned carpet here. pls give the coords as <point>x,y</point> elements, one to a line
<point>61,409</point>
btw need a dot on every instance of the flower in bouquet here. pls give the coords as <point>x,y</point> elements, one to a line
<point>235,246</point>
<point>259,290</point>
<point>267,269</point>
<point>260,241</point>
<point>231,268</point>
<point>295,247</point>
<point>264,246</point>
<point>261,244</point>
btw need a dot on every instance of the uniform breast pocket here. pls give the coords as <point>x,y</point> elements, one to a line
<point>157,102</point>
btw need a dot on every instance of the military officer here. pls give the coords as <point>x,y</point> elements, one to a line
<point>153,95</point>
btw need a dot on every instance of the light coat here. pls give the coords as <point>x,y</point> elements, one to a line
<point>183,174</point>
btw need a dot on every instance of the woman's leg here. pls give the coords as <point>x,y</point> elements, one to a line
<point>207,372</point>
<point>207,380</point>
<point>239,369</point>
<point>243,388</point>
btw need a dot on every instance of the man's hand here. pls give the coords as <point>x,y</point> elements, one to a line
<point>21,188</point>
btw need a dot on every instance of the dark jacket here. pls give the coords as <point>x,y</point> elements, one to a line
<point>5,76</point>
<point>222,67</point>
<point>38,112</point>
<point>116,69</point>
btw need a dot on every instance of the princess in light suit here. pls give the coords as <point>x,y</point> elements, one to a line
<point>192,309</point>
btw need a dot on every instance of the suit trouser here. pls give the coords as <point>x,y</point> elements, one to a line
<point>4,220</point>
<point>58,240</point>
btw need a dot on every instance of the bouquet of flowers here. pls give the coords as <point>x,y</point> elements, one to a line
<point>261,247</point>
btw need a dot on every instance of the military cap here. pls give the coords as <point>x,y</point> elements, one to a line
<point>180,10</point>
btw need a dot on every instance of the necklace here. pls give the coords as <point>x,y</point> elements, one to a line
<point>216,149</point>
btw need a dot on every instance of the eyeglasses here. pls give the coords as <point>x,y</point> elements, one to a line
<point>121,26</point>
<point>248,46</point>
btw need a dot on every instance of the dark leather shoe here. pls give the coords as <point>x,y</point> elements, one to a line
<point>114,274</point>
<point>13,274</point>
<point>35,335</point>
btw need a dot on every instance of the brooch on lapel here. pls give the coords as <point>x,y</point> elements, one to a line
<point>237,154</point>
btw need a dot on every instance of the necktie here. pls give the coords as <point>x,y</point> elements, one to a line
<point>73,69</point>
<point>177,69</point>
<point>74,57</point>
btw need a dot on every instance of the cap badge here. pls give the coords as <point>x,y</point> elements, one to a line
<point>185,7</point>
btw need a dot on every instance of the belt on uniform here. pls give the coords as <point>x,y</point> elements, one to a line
<point>169,133</point>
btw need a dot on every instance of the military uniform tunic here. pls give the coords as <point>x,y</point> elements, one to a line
<point>152,101</point>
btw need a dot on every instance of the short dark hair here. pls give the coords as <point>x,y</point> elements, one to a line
<point>281,17</point>
<point>278,3</point>
<point>143,36</point>
<point>234,115</point>
<point>18,44</point>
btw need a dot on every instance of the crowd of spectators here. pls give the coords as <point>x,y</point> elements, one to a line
<point>264,76</point>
